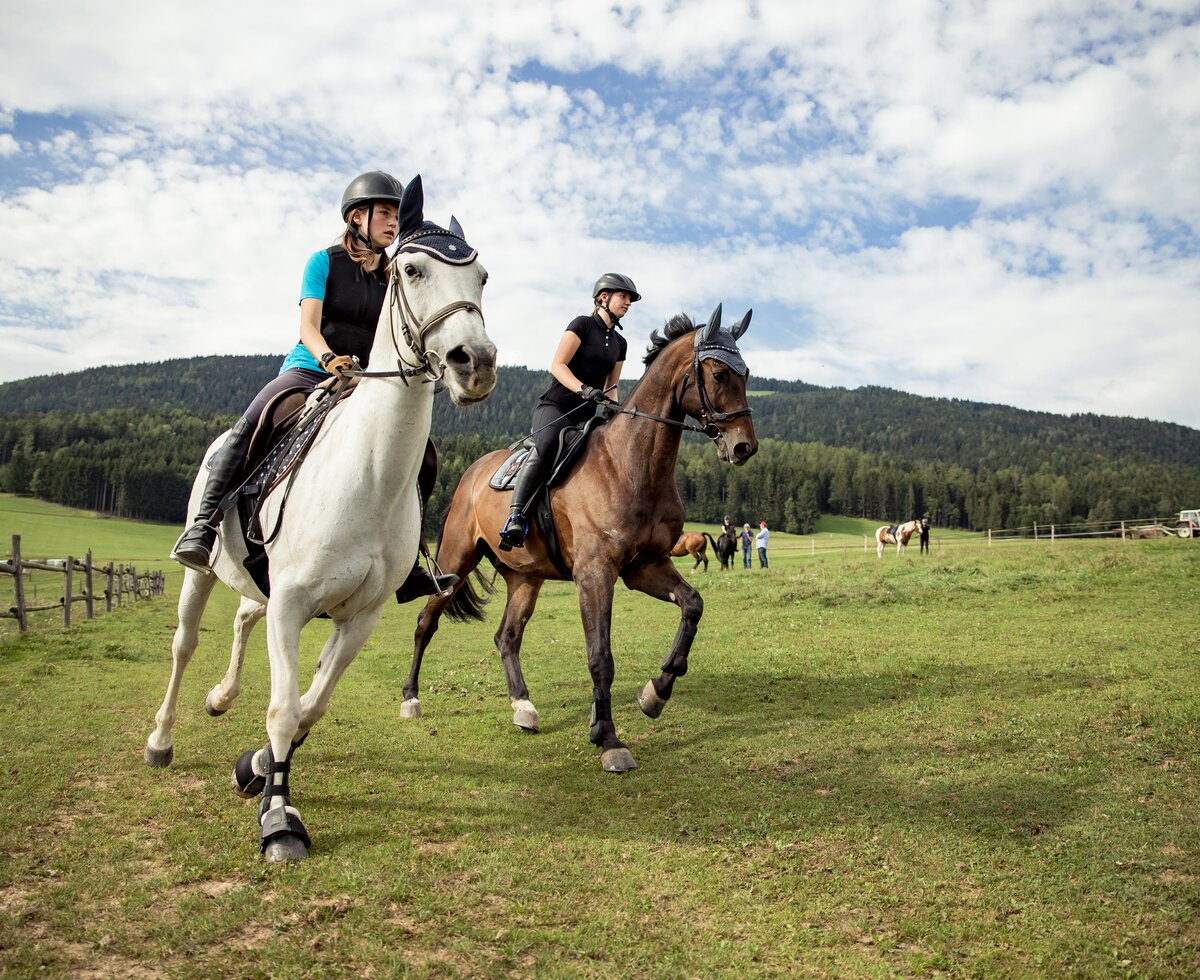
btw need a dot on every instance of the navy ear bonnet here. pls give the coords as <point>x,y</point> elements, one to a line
<point>722,347</point>
<point>444,245</point>
<point>418,235</point>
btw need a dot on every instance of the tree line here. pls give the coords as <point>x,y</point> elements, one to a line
<point>133,437</point>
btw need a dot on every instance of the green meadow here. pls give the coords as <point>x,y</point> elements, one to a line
<point>978,763</point>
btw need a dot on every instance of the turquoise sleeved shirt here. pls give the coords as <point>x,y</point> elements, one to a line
<point>312,286</point>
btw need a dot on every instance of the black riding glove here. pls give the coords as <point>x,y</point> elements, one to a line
<point>590,394</point>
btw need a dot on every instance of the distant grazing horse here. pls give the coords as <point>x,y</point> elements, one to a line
<point>897,534</point>
<point>726,548</point>
<point>350,531</point>
<point>617,515</point>
<point>693,543</point>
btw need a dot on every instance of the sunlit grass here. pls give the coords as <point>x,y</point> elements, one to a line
<point>978,763</point>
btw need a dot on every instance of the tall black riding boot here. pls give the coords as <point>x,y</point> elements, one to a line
<point>527,483</point>
<point>194,547</point>
<point>420,582</point>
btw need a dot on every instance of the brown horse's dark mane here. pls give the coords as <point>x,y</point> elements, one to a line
<point>675,328</point>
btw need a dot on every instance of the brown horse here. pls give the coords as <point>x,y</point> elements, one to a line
<point>617,515</point>
<point>693,543</point>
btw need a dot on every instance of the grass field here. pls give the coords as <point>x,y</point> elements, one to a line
<point>980,763</point>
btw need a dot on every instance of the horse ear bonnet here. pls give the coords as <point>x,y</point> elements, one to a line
<point>418,235</point>
<point>714,343</point>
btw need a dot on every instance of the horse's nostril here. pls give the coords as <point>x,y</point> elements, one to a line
<point>743,450</point>
<point>459,356</point>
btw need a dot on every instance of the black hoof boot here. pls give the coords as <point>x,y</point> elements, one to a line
<point>420,583</point>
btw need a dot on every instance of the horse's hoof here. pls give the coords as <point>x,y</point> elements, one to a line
<point>248,782</point>
<point>211,708</point>
<point>410,708</point>
<point>617,760</point>
<point>525,716</point>
<point>649,701</point>
<point>158,758</point>
<point>286,848</point>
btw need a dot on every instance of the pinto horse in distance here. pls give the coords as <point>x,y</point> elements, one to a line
<point>897,534</point>
<point>693,543</point>
<point>617,516</point>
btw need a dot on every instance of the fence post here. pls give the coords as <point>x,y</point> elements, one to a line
<point>1123,537</point>
<point>108,574</point>
<point>18,584</point>
<point>989,537</point>
<point>133,585</point>
<point>1052,534</point>
<point>68,590</point>
<point>1035,534</point>
<point>89,603</point>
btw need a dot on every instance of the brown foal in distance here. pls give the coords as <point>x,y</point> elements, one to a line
<point>617,515</point>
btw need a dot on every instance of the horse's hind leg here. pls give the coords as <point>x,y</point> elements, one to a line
<point>222,696</point>
<point>661,580</point>
<point>522,598</point>
<point>193,597</point>
<point>595,607</point>
<point>455,554</point>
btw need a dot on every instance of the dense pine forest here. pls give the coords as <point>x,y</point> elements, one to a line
<point>127,440</point>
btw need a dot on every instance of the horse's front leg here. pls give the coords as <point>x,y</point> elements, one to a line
<point>197,587</point>
<point>518,610</point>
<point>661,580</point>
<point>282,836</point>
<point>222,696</point>
<point>595,606</point>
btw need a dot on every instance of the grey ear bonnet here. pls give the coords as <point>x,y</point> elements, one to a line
<point>713,342</point>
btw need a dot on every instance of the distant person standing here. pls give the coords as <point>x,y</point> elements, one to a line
<point>747,539</point>
<point>761,540</point>
<point>924,535</point>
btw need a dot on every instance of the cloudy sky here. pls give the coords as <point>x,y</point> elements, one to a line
<point>996,201</point>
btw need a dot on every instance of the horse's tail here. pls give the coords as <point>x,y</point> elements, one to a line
<point>466,604</point>
<point>711,541</point>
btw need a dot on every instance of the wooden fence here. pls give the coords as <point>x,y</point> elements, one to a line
<point>123,585</point>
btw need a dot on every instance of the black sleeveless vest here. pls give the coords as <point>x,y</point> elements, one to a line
<point>353,299</point>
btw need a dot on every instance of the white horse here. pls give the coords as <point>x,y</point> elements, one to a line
<point>351,526</point>
<point>897,535</point>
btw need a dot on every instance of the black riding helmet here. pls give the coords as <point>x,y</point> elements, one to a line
<point>369,188</point>
<point>614,282</point>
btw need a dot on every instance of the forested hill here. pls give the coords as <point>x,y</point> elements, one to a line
<point>870,419</point>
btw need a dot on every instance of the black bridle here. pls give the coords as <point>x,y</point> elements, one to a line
<point>708,417</point>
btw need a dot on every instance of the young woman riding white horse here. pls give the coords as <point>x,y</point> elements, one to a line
<point>349,517</point>
<point>341,295</point>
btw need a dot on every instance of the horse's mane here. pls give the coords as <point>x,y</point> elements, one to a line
<point>674,328</point>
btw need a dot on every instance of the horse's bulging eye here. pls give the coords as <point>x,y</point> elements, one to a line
<point>412,271</point>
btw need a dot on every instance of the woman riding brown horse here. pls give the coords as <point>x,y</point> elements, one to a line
<point>617,515</point>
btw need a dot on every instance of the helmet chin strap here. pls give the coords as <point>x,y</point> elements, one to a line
<point>357,234</point>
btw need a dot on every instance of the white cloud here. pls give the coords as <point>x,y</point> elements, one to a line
<point>993,202</point>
